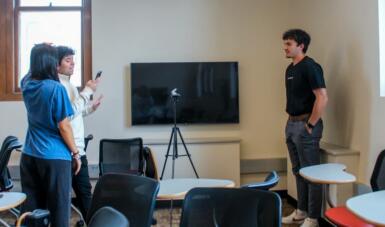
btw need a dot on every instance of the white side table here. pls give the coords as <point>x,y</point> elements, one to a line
<point>326,174</point>
<point>10,200</point>
<point>370,207</point>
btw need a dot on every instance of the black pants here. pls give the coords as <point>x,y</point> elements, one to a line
<point>47,184</point>
<point>82,188</point>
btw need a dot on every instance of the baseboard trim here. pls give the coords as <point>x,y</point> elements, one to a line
<point>250,166</point>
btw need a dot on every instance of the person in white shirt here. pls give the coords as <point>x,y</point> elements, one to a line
<point>82,105</point>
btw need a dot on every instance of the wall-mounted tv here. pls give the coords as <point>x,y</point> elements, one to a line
<point>209,92</point>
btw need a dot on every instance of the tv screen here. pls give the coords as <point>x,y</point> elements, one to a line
<point>208,92</point>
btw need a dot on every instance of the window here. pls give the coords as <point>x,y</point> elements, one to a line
<point>24,23</point>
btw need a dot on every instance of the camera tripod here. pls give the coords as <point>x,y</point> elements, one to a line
<point>174,140</point>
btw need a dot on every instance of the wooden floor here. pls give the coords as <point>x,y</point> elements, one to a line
<point>162,216</point>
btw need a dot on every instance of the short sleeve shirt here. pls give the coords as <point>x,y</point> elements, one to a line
<point>301,80</point>
<point>47,104</point>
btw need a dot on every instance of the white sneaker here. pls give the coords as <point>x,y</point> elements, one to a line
<point>310,222</point>
<point>297,217</point>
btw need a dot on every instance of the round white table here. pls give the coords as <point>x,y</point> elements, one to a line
<point>177,188</point>
<point>370,207</point>
<point>326,174</point>
<point>10,200</point>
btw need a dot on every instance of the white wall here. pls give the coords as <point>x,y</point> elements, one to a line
<point>152,31</point>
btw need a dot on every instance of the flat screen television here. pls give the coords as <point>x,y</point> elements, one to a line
<point>209,93</point>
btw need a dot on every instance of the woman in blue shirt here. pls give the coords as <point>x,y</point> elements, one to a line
<point>49,149</point>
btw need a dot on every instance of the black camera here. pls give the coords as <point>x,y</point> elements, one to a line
<point>174,93</point>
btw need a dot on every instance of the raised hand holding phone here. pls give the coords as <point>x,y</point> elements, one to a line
<point>99,74</point>
<point>93,84</point>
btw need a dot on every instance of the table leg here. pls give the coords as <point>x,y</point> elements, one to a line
<point>4,223</point>
<point>171,209</point>
<point>328,199</point>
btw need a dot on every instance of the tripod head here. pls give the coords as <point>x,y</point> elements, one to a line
<point>175,95</point>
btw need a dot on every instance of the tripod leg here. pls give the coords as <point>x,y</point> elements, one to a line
<point>175,151</point>
<point>187,153</point>
<point>167,154</point>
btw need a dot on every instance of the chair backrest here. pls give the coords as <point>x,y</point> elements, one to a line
<point>108,217</point>
<point>270,181</point>
<point>10,143</point>
<point>132,195</point>
<point>121,156</point>
<point>377,180</point>
<point>226,207</point>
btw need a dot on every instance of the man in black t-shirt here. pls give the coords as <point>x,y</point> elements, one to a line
<point>306,99</point>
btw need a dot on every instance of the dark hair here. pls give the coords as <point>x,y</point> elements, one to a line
<point>63,51</point>
<point>43,62</point>
<point>298,35</point>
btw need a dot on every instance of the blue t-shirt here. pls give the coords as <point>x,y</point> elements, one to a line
<point>47,104</point>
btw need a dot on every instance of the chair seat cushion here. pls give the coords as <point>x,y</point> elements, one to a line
<point>341,216</point>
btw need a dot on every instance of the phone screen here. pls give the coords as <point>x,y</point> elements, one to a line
<point>98,74</point>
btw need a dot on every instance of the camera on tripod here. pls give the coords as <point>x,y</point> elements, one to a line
<point>174,93</point>
<point>173,142</point>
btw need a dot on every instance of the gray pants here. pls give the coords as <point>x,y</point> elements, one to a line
<point>304,151</point>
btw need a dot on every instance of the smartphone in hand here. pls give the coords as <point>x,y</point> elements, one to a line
<point>99,74</point>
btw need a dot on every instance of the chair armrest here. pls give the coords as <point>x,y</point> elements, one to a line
<point>39,216</point>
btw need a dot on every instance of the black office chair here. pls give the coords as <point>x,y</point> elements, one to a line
<point>231,207</point>
<point>121,156</point>
<point>10,143</point>
<point>377,180</point>
<point>341,216</point>
<point>126,156</point>
<point>108,217</point>
<point>132,195</point>
<point>270,181</point>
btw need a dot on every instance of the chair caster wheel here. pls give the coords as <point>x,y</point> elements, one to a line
<point>80,223</point>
